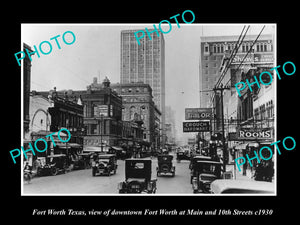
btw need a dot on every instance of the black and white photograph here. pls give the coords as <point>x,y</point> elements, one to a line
<point>150,113</point>
<point>161,109</point>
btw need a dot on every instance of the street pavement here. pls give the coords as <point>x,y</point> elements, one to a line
<point>82,182</point>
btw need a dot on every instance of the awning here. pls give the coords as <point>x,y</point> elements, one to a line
<point>253,144</point>
<point>95,148</point>
<point>68,145</point>
<point>244,145</point>
<point>241,146</point>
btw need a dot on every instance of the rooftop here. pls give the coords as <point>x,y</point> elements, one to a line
<point>235,38</point>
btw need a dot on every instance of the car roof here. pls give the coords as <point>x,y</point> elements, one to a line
<point>104,156</point>
<point>57,155</point>
<point>241,186</point>
<point>161,156</point>
<point>209,162</point>
<point>138,160</point>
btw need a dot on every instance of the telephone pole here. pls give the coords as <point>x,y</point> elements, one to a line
<point>221,88</point>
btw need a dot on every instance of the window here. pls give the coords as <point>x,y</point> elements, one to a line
<point>93,128</point>
<point>270,109</point>
<point>257,47</point>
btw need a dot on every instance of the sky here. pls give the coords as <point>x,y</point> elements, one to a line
<point>96,53</point>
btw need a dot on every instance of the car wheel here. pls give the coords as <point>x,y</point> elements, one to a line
<point>54,171</point>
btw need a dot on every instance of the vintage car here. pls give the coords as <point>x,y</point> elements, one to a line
<point>242,187</point>
<point>54,164</point>
<point>137,177</point>
<point>165,165</point>
<point>104,164</point>
<point>182,155</point>
<point>82,162</point>
<point>193,162</point>
<point>205,172</point>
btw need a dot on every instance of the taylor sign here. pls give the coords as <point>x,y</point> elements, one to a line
<point>254,134</point>
<point>196,126</point>
<point>198,113</point>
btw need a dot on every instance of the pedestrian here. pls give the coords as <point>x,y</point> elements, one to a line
<point>259,172</point>
<point>269,171</point>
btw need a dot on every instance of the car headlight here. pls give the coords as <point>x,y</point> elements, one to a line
<point>195,183</point>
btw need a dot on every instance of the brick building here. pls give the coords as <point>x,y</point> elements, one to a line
<point>137,103</point>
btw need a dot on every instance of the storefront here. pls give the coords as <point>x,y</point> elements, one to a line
<point>253,139</point>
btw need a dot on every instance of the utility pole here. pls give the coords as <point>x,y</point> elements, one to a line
<point>221,88</point>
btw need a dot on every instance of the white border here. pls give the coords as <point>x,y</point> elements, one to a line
<point>151,25</point>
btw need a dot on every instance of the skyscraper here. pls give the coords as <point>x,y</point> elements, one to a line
<point>145,63</point>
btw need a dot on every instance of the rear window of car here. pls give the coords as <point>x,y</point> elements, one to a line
<point>139,165</point>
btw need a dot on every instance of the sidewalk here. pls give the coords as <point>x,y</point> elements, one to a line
<point>239,175</point>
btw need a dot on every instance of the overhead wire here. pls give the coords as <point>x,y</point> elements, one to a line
<point>231,57</point>
<point>250,50</point>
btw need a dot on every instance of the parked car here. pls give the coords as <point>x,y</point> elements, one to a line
<point>137,177</point>
<point>242,187</point>
<point>54,165</point>
<point>165,165</point>
<point>104,164</point>
<point>205,172</point>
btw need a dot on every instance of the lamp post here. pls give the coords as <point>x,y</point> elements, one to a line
<point>221,88</point>
<point>100,130</point>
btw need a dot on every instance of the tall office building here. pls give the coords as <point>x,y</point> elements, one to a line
<point>213,50</point>
<point>145,63</point>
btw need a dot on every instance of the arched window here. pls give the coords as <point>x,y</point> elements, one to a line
<point>131,112</point>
